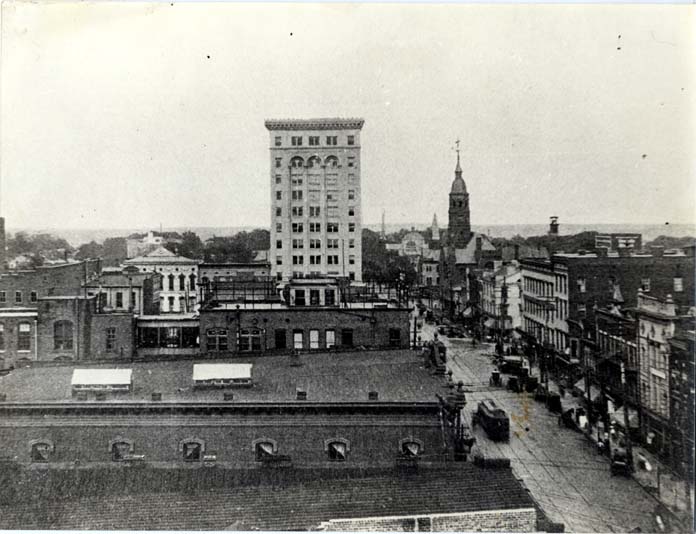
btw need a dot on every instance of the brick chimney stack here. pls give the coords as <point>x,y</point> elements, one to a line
<point>553,226</point>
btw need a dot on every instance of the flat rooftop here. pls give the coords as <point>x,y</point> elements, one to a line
<point>265,305</point>
<point>398,376</point>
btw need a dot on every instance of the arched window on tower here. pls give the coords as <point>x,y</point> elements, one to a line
<point>297,162</point>
<point>313,162</point>
<point>331,161</point>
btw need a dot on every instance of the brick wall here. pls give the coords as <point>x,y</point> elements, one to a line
<point>10,353</point>
<point>78,313</point>
<point>123,325</point>
<point>516,520</point>
<point>628,273</point>
<point>46,281</point>
<point>370,327</point>
<point>374,439</point>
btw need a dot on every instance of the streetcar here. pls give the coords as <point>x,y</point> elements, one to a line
<point>492,419</point>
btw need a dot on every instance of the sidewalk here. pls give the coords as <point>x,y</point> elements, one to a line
<point>655,477</point>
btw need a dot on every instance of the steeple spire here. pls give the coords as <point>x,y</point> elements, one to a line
<point>458,170</point>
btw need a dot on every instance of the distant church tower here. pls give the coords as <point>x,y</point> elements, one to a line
<point>459,226</point>
<point>434,229</point>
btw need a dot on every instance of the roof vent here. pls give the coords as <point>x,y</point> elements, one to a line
<point>156,396</point>
<point>301,394</point>
<point>373,395</point>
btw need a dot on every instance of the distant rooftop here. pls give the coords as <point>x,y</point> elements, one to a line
<point>397,375</point>
<point>315,124</point>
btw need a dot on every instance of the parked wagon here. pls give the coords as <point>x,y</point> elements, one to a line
<point>492,419</point>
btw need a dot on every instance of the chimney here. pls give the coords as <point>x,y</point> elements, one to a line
<point>553,225</point>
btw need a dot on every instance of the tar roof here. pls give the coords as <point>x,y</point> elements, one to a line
<point>288,501</point>
<point>398,376</point>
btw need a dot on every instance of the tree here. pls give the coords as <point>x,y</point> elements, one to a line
<point>114,250</point>
<point>89,251</point>
<point>191,246</point>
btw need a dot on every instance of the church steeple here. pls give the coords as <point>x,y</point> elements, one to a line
<point>435,229</point>
<point>459,227</point>
<point>458,185</point>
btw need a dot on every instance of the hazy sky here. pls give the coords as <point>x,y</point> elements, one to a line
<point>132,115</point>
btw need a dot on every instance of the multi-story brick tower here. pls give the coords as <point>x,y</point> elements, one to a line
<point>459,226</point>
<point>315,198</point>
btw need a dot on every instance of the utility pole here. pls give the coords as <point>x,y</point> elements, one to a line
<point>627,428</point>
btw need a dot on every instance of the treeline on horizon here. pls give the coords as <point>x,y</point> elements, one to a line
<point>379,264</point>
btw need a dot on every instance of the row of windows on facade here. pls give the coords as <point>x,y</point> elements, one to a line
<point>314,140</point>
<point>316,259</point>
<point>314,183</point>
<point>194,450</point>
<point>314,211</point>
<point>253,339</point>
<point>314,162</point>
<point>181,279</point>
<point>63,338</point>
<point>314,274</point>
<point>552,311</point>
<point>314,243</point>
<point>543,288</point>
<point>543,333</point>
<point>333,196</point>
<point>19,297</point>
<point>331,228</point>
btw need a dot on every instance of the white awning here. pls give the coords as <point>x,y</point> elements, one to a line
<point>618,418</point>
<point>221,371</point>
<point>101,377</point>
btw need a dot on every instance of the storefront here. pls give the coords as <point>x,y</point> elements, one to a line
<point>167,335</point>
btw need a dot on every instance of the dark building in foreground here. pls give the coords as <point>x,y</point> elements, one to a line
<point>357,442</point>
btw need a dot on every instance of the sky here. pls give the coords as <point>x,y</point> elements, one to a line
<point>122,115</point>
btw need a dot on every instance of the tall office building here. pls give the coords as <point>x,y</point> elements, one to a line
<point>316,223</point>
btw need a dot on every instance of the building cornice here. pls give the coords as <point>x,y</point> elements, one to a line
<point>314,124</point>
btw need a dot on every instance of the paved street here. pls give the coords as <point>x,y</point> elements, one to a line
<point>561,469</point>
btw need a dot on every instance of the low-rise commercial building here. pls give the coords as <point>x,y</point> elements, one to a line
<point>178,275</point>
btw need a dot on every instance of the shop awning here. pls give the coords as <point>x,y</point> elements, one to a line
<point>618,418</point>
<point>490,323</point>
<point>594,390</point>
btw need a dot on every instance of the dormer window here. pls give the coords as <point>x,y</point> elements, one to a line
<point>41,451</point>
<point>120,449</point>
<point>192,450</point>
<point>411,448</point>
<point>337,449</point>
<point>265,449</point>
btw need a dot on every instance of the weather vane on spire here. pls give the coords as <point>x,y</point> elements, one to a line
<point>457,143</point>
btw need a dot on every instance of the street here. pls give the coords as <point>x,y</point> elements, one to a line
<point>563,472</point>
